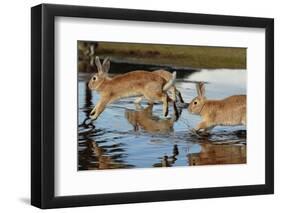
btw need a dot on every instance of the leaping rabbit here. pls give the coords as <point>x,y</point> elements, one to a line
<point>135,83</point>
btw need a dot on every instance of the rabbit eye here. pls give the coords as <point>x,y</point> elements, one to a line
<point>195,102</point>
<point>94,78</point>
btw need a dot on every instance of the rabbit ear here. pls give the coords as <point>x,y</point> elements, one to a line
<point>200,89</point>
<point>98,64</point>
<point>105,60</point>
<point>106,65</point>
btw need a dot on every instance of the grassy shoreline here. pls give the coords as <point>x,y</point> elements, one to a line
<point>175,55</point>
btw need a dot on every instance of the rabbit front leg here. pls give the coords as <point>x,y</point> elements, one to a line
<point>99,108</point>
<point>201,126</point>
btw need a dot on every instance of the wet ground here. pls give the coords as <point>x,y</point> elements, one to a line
<point>114,141</point>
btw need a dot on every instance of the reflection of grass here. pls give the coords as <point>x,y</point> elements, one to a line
<point>181,56</point>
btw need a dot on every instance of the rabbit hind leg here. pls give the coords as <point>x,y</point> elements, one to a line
<point>179,96</point>
<point>176,113</point>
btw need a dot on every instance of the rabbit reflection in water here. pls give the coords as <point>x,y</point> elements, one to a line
<point>143,118</point>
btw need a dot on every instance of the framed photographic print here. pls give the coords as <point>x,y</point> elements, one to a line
<point>140,106</point>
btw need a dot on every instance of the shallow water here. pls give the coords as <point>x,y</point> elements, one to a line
<point>114,141</point>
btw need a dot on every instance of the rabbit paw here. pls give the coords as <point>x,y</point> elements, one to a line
<point>93,117</point>
<point>93,114</point>
<point>200,132</point>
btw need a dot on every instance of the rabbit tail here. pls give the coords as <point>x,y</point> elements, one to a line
<point>171,82</point>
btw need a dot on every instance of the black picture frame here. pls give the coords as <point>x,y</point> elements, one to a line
<point>43,102</point>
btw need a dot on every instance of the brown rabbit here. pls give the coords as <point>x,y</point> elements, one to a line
<point>134,83</point>
<point>167,76</point>
<point>229,111</point>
